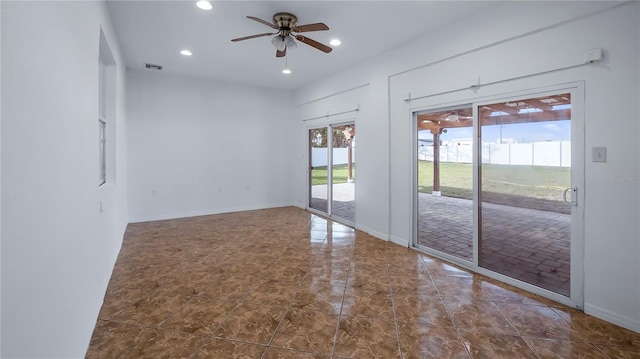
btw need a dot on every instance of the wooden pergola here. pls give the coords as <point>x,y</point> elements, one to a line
<point>539,109</point>
<point>349,133</point>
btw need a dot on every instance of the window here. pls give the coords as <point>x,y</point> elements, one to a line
<point>102,124</point>
<point>102,143</point>
<point>106,111</point>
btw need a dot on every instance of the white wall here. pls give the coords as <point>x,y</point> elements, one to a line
<point>0,180</point>
<point>58,249</point>
<point>192,146</point>
<point>511,40</point>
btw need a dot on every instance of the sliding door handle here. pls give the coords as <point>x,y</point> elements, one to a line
<point>574,197</point>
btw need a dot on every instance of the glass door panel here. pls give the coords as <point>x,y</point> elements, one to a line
<point>343,172</point>
<point>525,167</point>
<point>318,165</point>
<point>445,181</point>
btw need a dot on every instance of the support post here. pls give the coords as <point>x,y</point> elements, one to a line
<point>436,162</point>
<point>349,133</point>
<point>350,162</point>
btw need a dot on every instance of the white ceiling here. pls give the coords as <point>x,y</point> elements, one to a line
<point>155,32</point>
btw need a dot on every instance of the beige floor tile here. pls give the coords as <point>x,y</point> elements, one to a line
<point>491,345</point>
<point>200,316</point>
<point>538,322</point>
<point>306,330</point>
<point>166,345</point>
<point>322,296</point>
<point>251,322</point>
<point>558,349</point>
<point>220,348</point>
<point>423,309</point>
<point>478,315</point>
<point>231,285</point>
<point>620,352</point>
<point>362,337</point>
<point>150,310</point>
<point>427,341</point>
<point>367,303</point>
<point>112,339</point>
<point>278,353</point>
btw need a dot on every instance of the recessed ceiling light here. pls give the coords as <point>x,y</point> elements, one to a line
<point>335,42</point>
<point>286,71</point>
<point>204,5</point>
<point>186,52</point>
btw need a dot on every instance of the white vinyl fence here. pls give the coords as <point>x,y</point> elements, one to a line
<point>340,156</point>
<point>550,153</point>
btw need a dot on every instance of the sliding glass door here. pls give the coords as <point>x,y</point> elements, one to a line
<point>318,165</point>
<point>332,171</point>
<point>525,169</point>
<point>445,177</point>
<point>498,189</point>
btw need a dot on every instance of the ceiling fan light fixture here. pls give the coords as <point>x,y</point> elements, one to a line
<point>204,5</point>
<point>286,71</point>
<point>335,42</point>
<point>278,43</point>
<point>290,43</point>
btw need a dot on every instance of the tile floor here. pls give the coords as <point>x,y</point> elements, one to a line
<point>283,283</point>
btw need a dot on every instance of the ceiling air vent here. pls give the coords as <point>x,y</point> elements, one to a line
<point>153,67</point>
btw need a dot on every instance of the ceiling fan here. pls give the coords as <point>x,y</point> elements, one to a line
<point>287,32</point>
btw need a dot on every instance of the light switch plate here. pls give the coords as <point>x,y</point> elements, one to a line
<point>599,154</point>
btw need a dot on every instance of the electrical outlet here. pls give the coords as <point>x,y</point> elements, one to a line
<point>592,56</point>
<point>599,154</point>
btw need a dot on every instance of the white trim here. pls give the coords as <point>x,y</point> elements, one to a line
<point>611,317</point>
<point>332,114</point>
<point>400,241</point>
<point>162,217</point>
<point>328,125</point>
<point>333,94</point>
<point>374,233</point>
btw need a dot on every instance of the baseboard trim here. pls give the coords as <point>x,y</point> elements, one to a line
<point>373,232</point>
<point>162,217</point>
<point>611,317</point>
<point>399,241</point>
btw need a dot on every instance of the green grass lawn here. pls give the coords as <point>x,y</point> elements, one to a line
<point>539,182</point>
<point>528,181</point>
<point>319,174</point>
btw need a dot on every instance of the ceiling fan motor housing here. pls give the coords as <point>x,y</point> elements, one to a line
<point>285,22</point>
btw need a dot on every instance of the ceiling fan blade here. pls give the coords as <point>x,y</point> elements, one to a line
<point>311,27</point>
<point>281,53</point>
<point>270,24</point>
<point>313,43</point>
<point>253,36</point>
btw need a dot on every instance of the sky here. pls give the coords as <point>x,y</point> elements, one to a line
<point>519,132</point>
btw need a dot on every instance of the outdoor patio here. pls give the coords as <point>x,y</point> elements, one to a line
<point>527,244</point>
<point>343,200</point>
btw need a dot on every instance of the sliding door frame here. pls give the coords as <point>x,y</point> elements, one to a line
<point>577,91</point>
<point>329,126</point>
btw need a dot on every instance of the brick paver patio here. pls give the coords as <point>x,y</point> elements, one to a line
<point>526,244</point>
<point>343,200</point>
